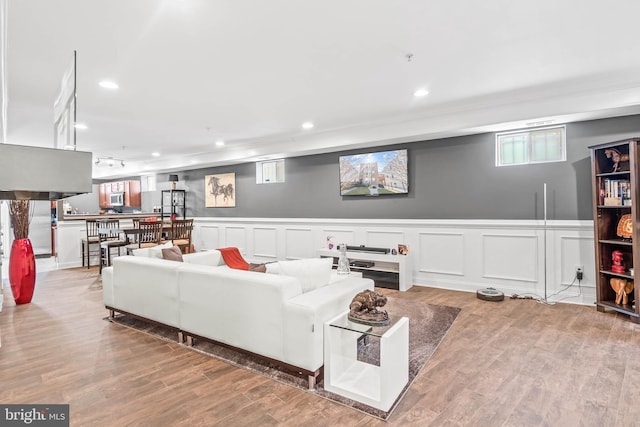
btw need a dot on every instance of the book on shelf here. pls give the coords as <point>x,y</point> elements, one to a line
<point>615,192</point>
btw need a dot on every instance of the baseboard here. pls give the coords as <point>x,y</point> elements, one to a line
<point>570,296</point>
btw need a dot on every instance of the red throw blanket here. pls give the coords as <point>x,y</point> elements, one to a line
<point>233,258</point>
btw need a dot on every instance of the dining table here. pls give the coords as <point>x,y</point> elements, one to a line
<point>166,231</point>
<point>131,232</point>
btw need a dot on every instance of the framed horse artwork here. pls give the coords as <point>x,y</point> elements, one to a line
<point>220,190</point>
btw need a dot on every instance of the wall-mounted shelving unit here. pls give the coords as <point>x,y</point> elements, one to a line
<point>173,202</point>
<point>616,194</point>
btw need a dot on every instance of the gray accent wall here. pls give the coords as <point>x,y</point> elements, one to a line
<point>453,178</point>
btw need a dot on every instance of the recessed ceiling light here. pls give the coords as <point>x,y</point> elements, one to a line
<point>108,84</point>
<point>421,92</point>
<point>155,154</point>
<point>307,125</point>
<point>80,126</point>
<point>219,143</point>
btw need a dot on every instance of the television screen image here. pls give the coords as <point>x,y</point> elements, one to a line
<point>374,174</point>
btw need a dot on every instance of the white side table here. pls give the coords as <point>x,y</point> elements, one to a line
<point>344,374</point>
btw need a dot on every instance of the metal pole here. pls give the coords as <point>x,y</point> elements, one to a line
<point>545,242</point>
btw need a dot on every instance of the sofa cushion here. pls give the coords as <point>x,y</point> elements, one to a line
<point>172,254</point>
<point>208,257</point>
<point>273,267</point>
<point>143,252</point>
<point>311,273</point>
<point>153,252</point>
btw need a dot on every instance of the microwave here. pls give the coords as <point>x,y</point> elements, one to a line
<point>116,199</point>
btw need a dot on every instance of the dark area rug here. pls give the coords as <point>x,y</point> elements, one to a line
<point>428,325</point>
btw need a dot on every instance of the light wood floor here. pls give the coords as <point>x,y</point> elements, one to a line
<point>511,363</point>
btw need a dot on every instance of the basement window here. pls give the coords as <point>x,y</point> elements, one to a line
<point>524,147</point>
<point>270,171</point>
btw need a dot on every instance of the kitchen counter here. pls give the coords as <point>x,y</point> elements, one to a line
<point>70,232</point>
<point>82,217</point>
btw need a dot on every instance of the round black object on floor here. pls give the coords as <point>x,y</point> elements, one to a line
<point>489,294</point>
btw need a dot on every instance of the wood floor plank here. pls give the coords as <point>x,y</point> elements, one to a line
<point>516,362</point>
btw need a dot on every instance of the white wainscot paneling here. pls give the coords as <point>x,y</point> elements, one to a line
<point>441,253</point>
<point>236,237</point>
<point>340,236</point>
<point>209,237</point>
<point>384,239</point>
<point>463,255</point>
<point>299,243</point>
<point>574,251</point>
<point>510,257</point>
<point>265,242</point>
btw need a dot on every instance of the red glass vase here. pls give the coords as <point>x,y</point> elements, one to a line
<point>22,271</point>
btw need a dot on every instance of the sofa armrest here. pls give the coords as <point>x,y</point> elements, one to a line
<point>335,277</point>
<point>147,287</point>
<point>305,315</point>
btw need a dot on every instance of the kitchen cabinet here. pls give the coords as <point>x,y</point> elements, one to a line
<point>131,190</point>
<point>132,195</point>
<point>104,190</point>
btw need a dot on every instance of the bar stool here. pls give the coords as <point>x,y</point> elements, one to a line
<point>92,238</point>
<point>110,238</point>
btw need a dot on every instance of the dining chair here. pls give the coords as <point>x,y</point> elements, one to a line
<point>181,234</point>
<point>149,234</point>
<point>136,225</point>
<point>110,238</point>
<point>92,237</point>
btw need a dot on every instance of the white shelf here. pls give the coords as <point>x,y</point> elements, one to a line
<point>359,378</point>
<point>385,263</point>
<point>376,268</point>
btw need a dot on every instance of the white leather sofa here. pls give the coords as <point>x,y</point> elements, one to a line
<point>267,314</point>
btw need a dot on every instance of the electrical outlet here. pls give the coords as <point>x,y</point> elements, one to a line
<point>579,272</point>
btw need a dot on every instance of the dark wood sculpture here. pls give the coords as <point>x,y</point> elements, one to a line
<point>616,157</point>
<point>364,308</point>
<point>622,288</point>
<point>625,227</point>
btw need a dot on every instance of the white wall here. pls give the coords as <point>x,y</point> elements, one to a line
<point>464,255</point>
<point>85,203</point>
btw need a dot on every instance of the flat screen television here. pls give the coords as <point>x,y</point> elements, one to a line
<point>374,174</point>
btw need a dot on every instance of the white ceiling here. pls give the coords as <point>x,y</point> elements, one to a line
<point>251,72</point>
